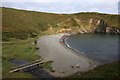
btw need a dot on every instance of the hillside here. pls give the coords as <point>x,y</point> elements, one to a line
<point>109,71</point>
<point>23,24</point>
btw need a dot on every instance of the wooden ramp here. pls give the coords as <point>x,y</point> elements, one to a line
<point>25,66</point>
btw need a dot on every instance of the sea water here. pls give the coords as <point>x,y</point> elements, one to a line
<point>102,48</point>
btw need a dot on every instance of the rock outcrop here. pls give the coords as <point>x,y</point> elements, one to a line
<point>92,25</point>
<point>113,30</point>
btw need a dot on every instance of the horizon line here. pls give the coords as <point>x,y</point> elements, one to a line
<point>60,12</point>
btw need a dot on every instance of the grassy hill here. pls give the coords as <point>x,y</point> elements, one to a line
<point>17,23</point>
<point>23,24</point>
<point>107,72</point>
<point>111,20</point>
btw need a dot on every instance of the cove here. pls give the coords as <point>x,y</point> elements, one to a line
<point>102,48</point>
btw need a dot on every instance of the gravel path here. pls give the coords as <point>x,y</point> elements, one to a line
<point>65,61</point>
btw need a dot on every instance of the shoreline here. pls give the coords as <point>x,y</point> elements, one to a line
<point>74,50</point>
<point>63,56</point>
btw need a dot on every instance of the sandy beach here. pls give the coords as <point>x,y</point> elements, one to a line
<point>65,61</point>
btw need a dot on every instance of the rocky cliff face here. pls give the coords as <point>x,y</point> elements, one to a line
<point>102,27</point>
<point>21,24</point>
<point>113,30</point>
<point>91,25</point>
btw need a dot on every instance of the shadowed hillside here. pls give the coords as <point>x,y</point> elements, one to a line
<point>107,71</point>
<point>23,24</point>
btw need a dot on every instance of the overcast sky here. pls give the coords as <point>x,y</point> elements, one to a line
<point>62,6</point>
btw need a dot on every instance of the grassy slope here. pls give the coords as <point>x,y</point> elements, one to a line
<point>104,71</point>
<point>111,20</point>
<point>23,50</point>
<point>19,50</point>
<point>17,23</point>
<point>22,24</point>
<point>19,75</point>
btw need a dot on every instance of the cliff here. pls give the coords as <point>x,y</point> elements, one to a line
<point>92,25</point>
<point>21,24</point>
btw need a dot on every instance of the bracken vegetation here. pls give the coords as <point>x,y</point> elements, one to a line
<point>21,28</point>
<point>21,24</point>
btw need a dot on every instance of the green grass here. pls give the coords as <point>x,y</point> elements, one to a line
<point>23,24</point>
<point>19,25</point>
<point>104,71</point>
<point>48,65</point>
<point>111,20</point>
<point>19,75</point>
<point>23,50</point>
<point>6,67</point>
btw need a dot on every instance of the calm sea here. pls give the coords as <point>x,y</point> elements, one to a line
<point>102,48</point>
